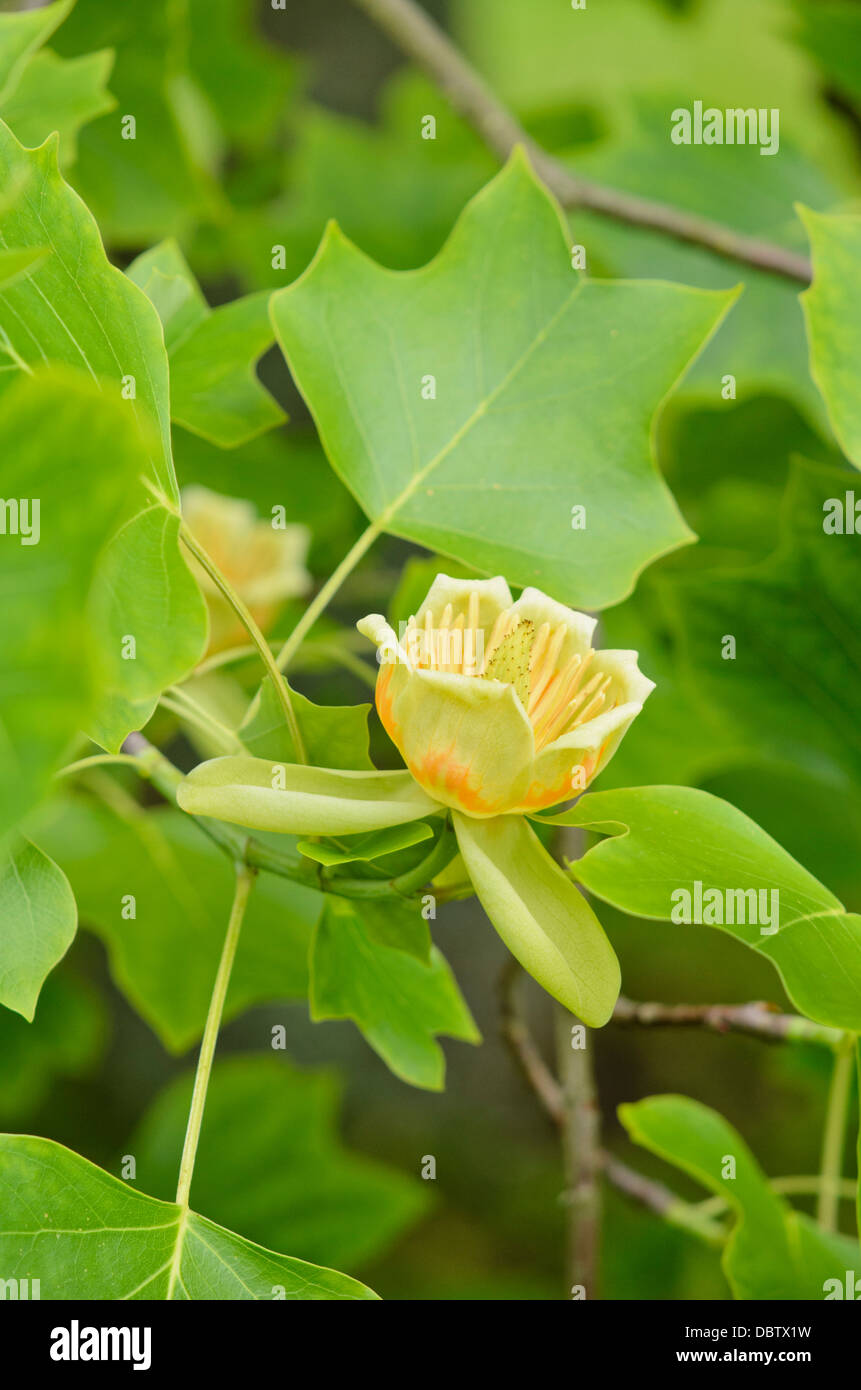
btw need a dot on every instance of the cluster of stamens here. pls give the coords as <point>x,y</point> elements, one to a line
<point>556,701</point>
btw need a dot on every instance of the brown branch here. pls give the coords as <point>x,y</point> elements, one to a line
<point>644,1191</point>
<point>523,1047</point>
<point>423,40</point>
<point>757,1019</point>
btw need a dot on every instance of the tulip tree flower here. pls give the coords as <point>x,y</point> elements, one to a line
<point>500,709</point>
<point>263,563</point>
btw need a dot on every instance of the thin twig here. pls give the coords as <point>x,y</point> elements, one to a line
<point>758,1019</point>
<point>645,1191</point>
<point>523,1047</point>
<point>423,40</point>
<point>687,1216</point>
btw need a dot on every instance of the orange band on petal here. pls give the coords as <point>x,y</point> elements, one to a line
<point>444,777</point>
<point>540,795</point>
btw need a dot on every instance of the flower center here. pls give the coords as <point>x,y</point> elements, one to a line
<point>555,698</point>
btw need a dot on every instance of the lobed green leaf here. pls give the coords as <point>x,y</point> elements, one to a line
<point>527,361</point>
<point>93,1237</point>
<point>661,840</point>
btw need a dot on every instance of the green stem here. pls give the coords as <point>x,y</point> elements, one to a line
<point>326,594</point>
<point>808,1184</point>
<point>834,1137</point>
<point>97,760</point>
<point>229,657</point>
<point>318,653</point>
<point>804,1185</point>
<point>756,1019</point>
<point>244,879</point>
<point>438,859</point>
<point>690,1217</point>
<point>181,704</point>
<point>243,614</point>
<point>350,662</point>
<point>407,884</point>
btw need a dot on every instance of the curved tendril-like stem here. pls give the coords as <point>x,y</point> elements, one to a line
<point>244,615</point>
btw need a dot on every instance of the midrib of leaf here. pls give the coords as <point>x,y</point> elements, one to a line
<point>390,513</point>
<point>176,1261</point>
<point>174,1264</point>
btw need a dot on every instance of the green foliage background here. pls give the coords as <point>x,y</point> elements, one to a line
<point>255,130</point>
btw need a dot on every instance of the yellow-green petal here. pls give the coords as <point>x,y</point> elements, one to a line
<point>494,595</point>
<point>298,800</point>
<point>468,742</point>
<point>565,767</point>
<point>535,607</point>
<point>542,918</point>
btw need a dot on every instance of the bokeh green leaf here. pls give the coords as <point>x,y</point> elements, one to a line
<point>65,1039</point>
<point>271,1163</point>
<point>832,308</point>
<point>214,390</point>
<point>773,1252</point>
<point>39,919</point>
<point>51,667</point>
<point>162,869</point>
